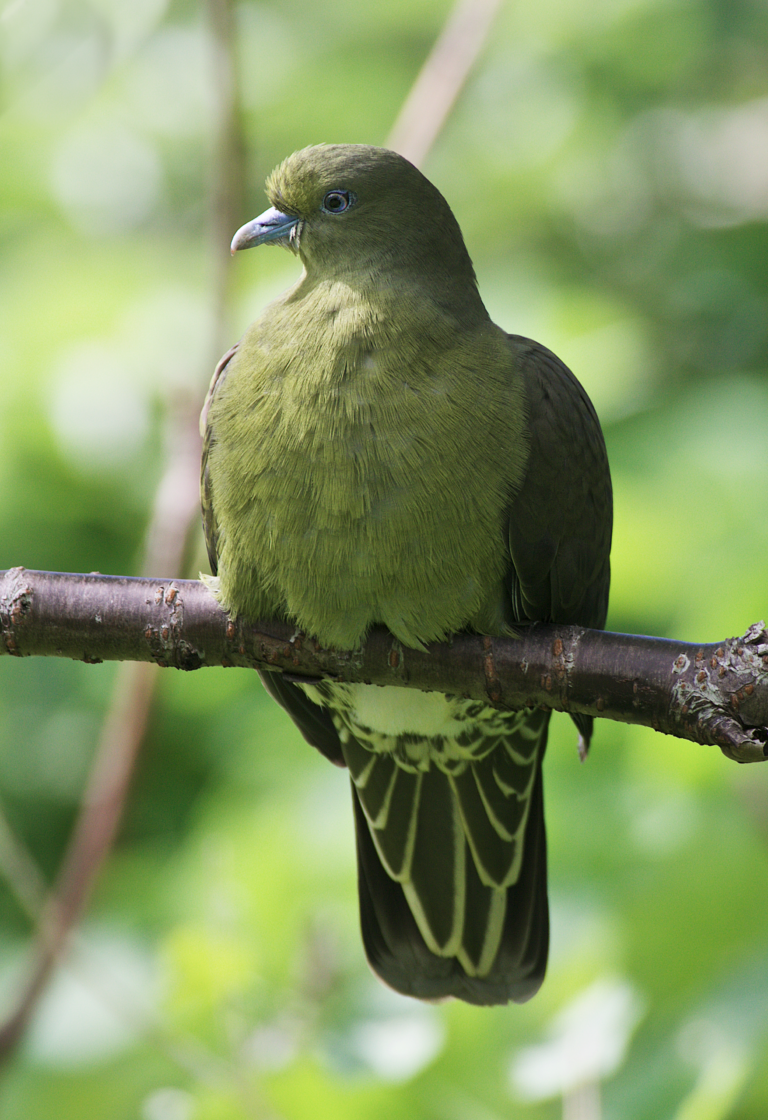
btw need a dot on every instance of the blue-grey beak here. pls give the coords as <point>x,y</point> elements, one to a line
<point>272,225</point>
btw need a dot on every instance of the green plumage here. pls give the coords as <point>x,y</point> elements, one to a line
<point>377,451</point>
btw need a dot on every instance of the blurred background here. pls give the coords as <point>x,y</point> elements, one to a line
<point>608,163</point>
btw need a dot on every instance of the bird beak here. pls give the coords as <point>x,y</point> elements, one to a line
<point>272,225</point>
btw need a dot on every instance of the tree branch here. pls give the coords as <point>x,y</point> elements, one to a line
<point>714,694</point>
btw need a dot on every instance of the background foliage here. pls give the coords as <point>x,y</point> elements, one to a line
<point>607,162</point>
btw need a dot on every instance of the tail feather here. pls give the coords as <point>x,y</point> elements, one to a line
<point>500,777</point>
<point>486,911</point>
<point>360,762</point>
<point>444,929</point>
<point>394,946</point>
<point>395,842</point>
<point>376,785</point>
<point>435,888</point>
<point>496,855</point>
<point>522,958</point>
<point>451,861</point>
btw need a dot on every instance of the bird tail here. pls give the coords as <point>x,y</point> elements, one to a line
<point>452,870</point>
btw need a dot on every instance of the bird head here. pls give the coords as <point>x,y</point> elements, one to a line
<point>351,209</point>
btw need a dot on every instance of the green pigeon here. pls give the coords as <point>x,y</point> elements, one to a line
<point>378,452</point>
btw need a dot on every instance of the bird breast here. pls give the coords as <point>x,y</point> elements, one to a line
<point>369,473</point>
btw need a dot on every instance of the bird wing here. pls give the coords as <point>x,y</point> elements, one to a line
<point>313,721</point>
<point>210,523</point>
<point>560,520</point>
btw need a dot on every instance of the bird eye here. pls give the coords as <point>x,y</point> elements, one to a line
<point>336,202</point>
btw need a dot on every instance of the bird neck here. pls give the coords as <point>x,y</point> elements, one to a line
<point>384,291</point>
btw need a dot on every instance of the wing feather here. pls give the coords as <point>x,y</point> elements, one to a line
<point>560,519</point>
<point>210,522</point>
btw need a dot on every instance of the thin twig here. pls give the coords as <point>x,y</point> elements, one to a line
<point>441,79</point>
<point>228,177</point>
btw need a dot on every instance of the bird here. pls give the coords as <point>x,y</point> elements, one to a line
<point>377,452</point>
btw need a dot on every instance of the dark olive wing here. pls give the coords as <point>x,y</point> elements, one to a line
<point>210,524</point>
<point>313,722</point>
<point>561,518</point>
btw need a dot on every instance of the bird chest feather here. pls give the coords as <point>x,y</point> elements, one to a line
<point>367,469</point>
